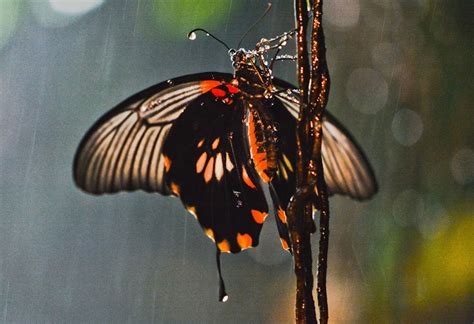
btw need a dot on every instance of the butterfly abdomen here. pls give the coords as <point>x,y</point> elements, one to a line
<point>262,144</point>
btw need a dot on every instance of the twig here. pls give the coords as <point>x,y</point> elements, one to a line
<point>311,189</point>
<point>319,93</point>
<point>301,214</point>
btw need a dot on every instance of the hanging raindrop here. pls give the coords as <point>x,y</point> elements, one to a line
<point>192,35</point>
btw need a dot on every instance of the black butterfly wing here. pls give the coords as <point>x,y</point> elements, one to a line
<point>346,169</point>
<point>207,167</point>
<point>122,150</point>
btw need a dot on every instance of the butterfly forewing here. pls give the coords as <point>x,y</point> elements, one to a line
<point>122,151</point>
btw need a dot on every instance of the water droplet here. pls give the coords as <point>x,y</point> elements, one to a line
<point>225,298</point>
<point>192,36</point>
<point>239,204</point>
<point>170,82</point>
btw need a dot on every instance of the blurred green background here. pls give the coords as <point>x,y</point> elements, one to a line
<point>401,82</point>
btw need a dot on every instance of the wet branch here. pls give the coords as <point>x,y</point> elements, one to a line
<point>313,81</point>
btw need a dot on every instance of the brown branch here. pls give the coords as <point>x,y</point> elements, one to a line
<point>311,189</point>
<point>319,94</point>
<point>300,213</point>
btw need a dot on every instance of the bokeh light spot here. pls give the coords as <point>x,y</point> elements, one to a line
<point>342,13</point>
<point>60,13</point>
<point>407,127</point>
<point>462,166</point>
<point>367,90</point>
<point>74,7</point>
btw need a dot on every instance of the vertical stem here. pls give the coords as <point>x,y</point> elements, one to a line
<point>314,84</point>
<point>323,253</point>
<point>319,92</point>
<point>299,219</point>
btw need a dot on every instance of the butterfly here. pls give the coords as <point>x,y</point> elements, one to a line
<point>216,140</point>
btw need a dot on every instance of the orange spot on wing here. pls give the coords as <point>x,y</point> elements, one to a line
<point>200,143</point>
<point>209,170</point>
<point>167,163</point>
<point>210,233</point>
<point>246,178</point>
<point>244,241</point>
<point>282,215</point>
<point>218,92</point>
<point>201,162</point>
<point>208,85</point>
<point>228,163</point>
<point>192,211</point>
<point>174,188</point>
<point>224,246</point>
<point>215,143</point>
<point>284,244</point>
<point>258,216</point>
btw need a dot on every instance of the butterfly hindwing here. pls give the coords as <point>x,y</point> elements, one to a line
<point>207,167</point>
<point>346,169</point>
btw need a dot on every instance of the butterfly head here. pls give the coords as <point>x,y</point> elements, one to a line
<point>251,71</point>
<point>253,68</point>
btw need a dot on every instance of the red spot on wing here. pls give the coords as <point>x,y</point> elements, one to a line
<point>218,92</point>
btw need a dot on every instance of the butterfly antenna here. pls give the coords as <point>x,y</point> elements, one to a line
<point>269,6</point>
<point>192,36</point>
